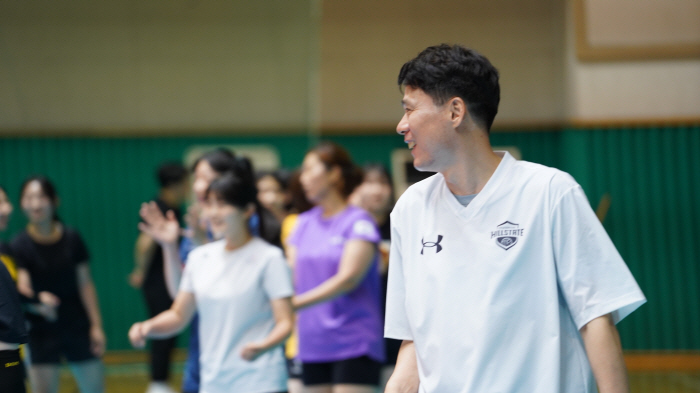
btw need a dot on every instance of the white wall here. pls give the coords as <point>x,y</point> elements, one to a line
<point>651,90</point>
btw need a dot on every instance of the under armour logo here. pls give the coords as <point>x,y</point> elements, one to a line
<point>431,244</point>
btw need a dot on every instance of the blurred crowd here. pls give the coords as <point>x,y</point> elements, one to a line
<point>280,277</point>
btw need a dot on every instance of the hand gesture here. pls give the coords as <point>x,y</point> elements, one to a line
<point>164,229</point>
<point>98,342</point>
<point>48,305</point>
<point>251,351</point>
<point>137,335</point>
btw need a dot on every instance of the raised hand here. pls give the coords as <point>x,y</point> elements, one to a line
<point>164,229</point>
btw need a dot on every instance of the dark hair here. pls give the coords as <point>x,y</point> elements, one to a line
<point>221,160</point>
<point>445,71</point>
<point>332,155</point>
<point>299,203</point>
<point>171,173</point>
<point>47,188</point>
<point>281,176</point>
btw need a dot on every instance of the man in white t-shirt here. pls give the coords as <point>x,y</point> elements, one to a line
<point>501,279</point>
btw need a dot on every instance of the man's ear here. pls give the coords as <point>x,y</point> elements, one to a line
<point>458,111</point>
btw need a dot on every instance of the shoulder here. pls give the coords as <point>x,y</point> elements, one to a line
<point>309,215</point>
<point>265,250</point>
<point>420,192</point>
<point>541,177</point>
<point>205,251</point>
<point>20,241</point>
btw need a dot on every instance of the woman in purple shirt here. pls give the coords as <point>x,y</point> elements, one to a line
<point>333,251</point>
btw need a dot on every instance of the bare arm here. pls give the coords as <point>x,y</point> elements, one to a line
<point>284,321</point>
<point>172,268</point>
<point>88,295</point>
<point>404,379</point>
<point>604,350</point>
<point>356,260</point>
<point>165,324</point>
<point>143,253</point>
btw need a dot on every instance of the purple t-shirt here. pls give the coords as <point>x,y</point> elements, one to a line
<point>350,325</point>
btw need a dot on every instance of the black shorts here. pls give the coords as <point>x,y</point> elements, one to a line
<point>11,372</point>
<point>50,347</point>
<point>355,371</point>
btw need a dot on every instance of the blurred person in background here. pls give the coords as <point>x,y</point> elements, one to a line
<point>333,251</point>
<point>274,197</point>
<point>298,204</point>
<point>13,330</point>
<point>148,273</point>
<point>376,195</point>
<point>241,287</point>
<point>53,270</point>
<point>165,230</point>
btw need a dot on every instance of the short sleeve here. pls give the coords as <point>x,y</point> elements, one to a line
<point>363,227</point>
<point>187,281</point>
<point>16,249</point>
<point>396,321</point>
<point>592,276</point>
<point>277,278</point>
<point>295,235</point>
<point>81,252</point>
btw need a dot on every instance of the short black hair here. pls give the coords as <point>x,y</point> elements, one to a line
<point>445,71</point>
<point>171,173</point>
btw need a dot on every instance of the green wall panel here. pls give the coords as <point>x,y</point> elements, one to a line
<point>650,173</point>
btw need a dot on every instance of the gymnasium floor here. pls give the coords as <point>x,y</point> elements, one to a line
<point>649,373</point>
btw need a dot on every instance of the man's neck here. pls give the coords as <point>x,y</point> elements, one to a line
<point>474,164</point>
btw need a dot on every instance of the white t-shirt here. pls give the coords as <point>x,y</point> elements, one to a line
<point>494,294</point>
<point>233,290</point>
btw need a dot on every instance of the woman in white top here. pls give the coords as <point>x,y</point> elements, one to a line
<point>241,287</point>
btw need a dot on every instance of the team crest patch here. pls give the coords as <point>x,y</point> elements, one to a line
<point>507,234</point>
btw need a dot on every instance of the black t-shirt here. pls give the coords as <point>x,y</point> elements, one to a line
<point>53,268</point>
<point>154,276</point>
<point>12,326</point>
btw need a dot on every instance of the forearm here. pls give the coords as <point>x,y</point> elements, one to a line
<point>143,252</point>
<point>164,325</point>
<point>327,290</point>
<point>604,351</point>
<point>405,379</point>
<point>172,268</point>
<point>278,334</point>
<point>88,295</point>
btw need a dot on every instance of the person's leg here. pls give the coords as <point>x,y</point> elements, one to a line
<point>158,300</point>
<point>89,375</point>
<point>356,375</point>
<point>355,389</point>
<point>317,377</point>
<point>43,378</point>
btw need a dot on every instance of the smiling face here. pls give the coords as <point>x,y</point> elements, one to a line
<point>427,129</point>
<point>37,206</point>
<point>224,219</point>
<point>5,210</point>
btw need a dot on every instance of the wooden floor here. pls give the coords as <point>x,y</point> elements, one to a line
<point>649,373</point>
<point>640,382</point>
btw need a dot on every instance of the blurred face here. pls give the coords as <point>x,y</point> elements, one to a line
<point>204,174</point>
<point>36,205</point>
<point>270,194</point>
<point>224,219</point>
<point>5,210</point>
<point>316,180</point>
<point>375,192</point>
